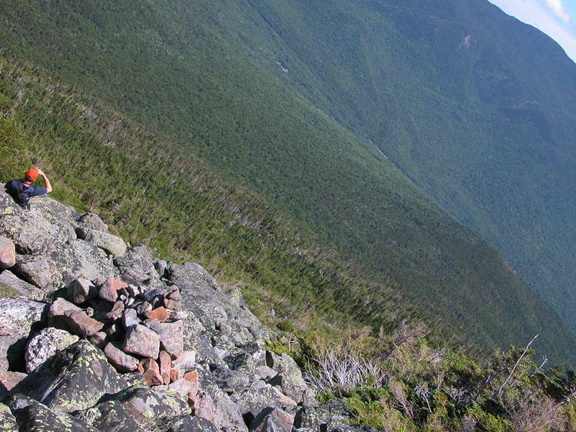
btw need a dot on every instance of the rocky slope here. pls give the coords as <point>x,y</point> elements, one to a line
<point>106,337</point>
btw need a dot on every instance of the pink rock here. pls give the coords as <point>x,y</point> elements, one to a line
<point>152,372</point>
<point>10,379</point>
<point>174,375</point>
<point>59,307</point>
<point>172,304</point>
<point>117,311</point>
<point>192,377</point>
<point>119,359</point>
<point>158,314</point>
<point>283,398</point>
<point>7,253</point>
<point>185,362</point>
<point>165,366</point>
<point>81,290</point>
<point>82,324</point>
<point>109,289</point>
<point>142,341</point>
<point>172,338</point>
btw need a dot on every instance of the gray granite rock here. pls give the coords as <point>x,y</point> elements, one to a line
<point>73,379</point>
<point>7,420</point>
<point>25,289</point>
<point>33,416</point>
<point>140,408</point>
<point>44,344</point>
<point>18,316</point>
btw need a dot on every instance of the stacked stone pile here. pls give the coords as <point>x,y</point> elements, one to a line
<point>137,328</point>
<point>102,336</point>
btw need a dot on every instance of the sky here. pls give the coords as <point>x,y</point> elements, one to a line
<point>556,18</point>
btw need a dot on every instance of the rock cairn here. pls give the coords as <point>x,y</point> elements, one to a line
<point>103,336</point>
<point>138,328</point>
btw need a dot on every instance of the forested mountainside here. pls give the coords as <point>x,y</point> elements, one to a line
<point>237,88</point>
<point>475,107</point>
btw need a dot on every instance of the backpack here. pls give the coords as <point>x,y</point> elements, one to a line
<point>22,197</point>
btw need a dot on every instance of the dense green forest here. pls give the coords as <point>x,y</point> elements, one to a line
<point>475,107</point>
<point>259,157</point>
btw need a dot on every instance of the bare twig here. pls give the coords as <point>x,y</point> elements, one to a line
<point>516,365</point>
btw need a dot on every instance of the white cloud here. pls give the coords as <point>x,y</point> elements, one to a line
<point>558,9</point>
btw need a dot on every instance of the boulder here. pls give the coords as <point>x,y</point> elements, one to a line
<point>47,227</point>
<point>289,379</point>
<point>17,318</point>
<point>92,221</point>
<point>58,214</point>
<point>7,253</point>
<point>73,379</point>
<point>110,243</point>
<point>24,288</point>
<point>81,260</point>
<point>33,416</point>
<point>7,205</point>
<point>193,424</point>
<point>45,344</point>
<point>7,420</point>
<point>31,234</point>
<point>110,416</point>
<point>37,271</point>
<point>140,408</point>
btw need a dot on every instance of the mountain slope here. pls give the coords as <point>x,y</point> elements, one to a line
<point>206,76</point>
<point>474,106</point>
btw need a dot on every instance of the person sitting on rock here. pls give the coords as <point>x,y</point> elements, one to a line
<point>22,190</point>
